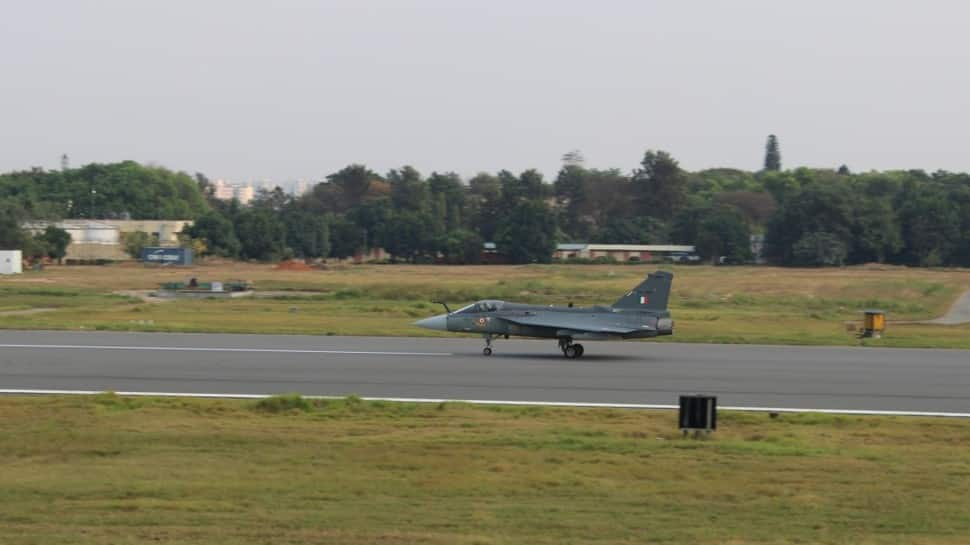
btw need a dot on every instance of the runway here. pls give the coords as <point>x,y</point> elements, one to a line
<point>868,379</point>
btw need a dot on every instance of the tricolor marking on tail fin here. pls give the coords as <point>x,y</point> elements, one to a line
<point>651,294</point>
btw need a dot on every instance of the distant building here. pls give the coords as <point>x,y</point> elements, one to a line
<point>616,252</point>
<point>621,252</point>
<point>245,194</point>
<point>302,187</point>
<point>225,191</point>
<point>103,239</point>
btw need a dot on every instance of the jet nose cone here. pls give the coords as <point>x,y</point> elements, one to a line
<point>439,322</point>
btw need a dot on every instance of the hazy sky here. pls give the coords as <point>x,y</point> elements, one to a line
<point>298,89</point>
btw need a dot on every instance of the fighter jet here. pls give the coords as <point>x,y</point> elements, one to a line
<point>641,313</point>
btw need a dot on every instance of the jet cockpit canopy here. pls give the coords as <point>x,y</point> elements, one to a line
<point>488,305</point>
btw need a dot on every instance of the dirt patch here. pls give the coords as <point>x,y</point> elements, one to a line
<point>293,265</point>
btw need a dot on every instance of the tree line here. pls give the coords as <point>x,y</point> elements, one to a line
<point>809,217</point>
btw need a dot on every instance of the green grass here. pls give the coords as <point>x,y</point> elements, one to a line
<point>710,304</point>
<point>106,469</point>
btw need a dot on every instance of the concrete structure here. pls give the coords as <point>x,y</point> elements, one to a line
<point>620,252</point>
<point>166,230</point>
<point>90,240</point>
<point>11,262</point>
<point>93,240</point>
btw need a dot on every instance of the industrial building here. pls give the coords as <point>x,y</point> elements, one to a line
<point>93,240</point>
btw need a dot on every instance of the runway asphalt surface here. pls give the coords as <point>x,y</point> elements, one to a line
<point>521,370</point>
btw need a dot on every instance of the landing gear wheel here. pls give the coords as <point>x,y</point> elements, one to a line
<point>571,351</point>
<point>579,350</point>
<point>487,351</point>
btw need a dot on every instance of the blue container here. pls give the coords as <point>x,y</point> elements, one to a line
<point>167,256</point>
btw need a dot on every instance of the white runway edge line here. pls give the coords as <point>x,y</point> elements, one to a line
<point>493,402</point>
<point>214,349</point>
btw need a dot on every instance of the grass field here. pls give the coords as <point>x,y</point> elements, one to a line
<point>106,469</point>
<point>710,304</point>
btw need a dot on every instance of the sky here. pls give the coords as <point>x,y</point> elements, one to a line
<point>247,90</point>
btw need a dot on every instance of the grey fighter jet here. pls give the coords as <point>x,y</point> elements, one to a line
<point>639,314</point>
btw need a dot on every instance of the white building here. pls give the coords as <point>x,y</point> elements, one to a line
<point>103,239</point>
<point>225,191</point>
<point>302,187</point>
<point>621,252</point>
<point>245,193</point>
<point>11,262</point>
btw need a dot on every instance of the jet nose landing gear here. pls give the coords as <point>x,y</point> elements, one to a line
<point>487,351</point>
<point>570,350</point>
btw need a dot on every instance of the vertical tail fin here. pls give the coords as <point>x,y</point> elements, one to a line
<point>652,294</point>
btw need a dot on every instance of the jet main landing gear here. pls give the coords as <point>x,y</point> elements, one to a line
<point>570,350</point>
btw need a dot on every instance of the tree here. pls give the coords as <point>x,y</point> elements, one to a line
<point>573,158</point>
<point>11,235</point>
<point>34,247</point>
<point>271,199</point>
<point>410,235</point>
<point>930,227</point>
<point>485,204</point>
<point>262,235</point>
<point>136,241</point>
<point>463,247</point>
<point>589,199</point>
<point>217,232</point>
<point>723,232</point>
<point>819,248</point>
<point>772,154</point>
<point>371,218</point>
<point>660,185</point>
<point>346,238</point>
<point>642,230</point>
<point>527,234</point>
<point>307,234</point>
<point>448,187</point>
<point>408,190</point>
<point>755,207</point>
<point>351,183</point>
<point>570,187</point>
<point>816,208</point>
<point>781,185</point>
<point>685,225</point>
<point>875,231</point>
<point>117,190</point>
<point>524,187</point>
